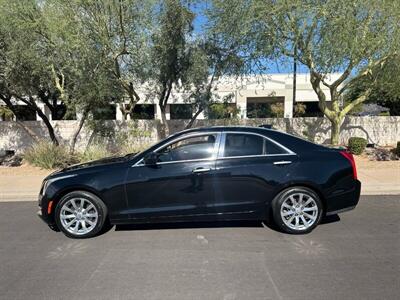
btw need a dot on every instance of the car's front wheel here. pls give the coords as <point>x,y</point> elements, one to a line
<point>297,210</point>
<point>80,214</point>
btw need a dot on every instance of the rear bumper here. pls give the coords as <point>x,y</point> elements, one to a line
<point>345,201</point>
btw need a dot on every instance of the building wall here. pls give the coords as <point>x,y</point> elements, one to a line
<point>378,130</point>
<point>280,85</point>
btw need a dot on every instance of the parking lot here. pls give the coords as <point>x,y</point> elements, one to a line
<point>356,256</point>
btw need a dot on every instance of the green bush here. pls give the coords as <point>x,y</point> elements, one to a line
<point>47,155</point>
<point>357,145</point>
<point>94,152</point>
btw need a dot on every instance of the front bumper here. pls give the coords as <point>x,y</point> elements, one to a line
<point>42,212</point>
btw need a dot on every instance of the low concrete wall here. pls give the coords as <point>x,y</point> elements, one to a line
<point>378,130</point>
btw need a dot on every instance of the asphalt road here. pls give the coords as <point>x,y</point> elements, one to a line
<point>356,257</point>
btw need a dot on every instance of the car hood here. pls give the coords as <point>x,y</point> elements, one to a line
<point>93,163</point>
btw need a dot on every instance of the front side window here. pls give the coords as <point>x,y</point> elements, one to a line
<point>196,147</point>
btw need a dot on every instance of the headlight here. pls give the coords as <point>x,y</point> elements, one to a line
<point>45,184</point>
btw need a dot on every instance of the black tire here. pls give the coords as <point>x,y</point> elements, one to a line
<point>95,201</point>
<point>284,195</point>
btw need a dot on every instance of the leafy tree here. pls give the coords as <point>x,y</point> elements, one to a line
<point>385,90</point>
<point>80,72</point>
<point>118,31</point>
<point>209,62</point>
<point>82,53</point>
<point>24,61</point>
<point>329,36</point>
<point>170,53</point>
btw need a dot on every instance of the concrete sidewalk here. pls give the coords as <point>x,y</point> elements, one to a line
<point>377,177</point>
<point>21,183</point>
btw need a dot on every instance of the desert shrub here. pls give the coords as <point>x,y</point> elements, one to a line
<point>5,113</point>
<point>357,145</point>
<point>299,110</point>
<point>277,110</point>
<point>127,148</point>
<point>94,152</point>
<point>133,139</point>
<point>47,155</point>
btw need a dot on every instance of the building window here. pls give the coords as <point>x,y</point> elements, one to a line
<point>106,112</point>
<point>24,113</point>
<point>222,111</point>
<point>59,112</point>
<point>143,112</point>
<point>265,107</point>
<point>307,109</point>
<point>180,111</point>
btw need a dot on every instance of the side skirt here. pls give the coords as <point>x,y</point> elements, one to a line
<point>248,215</point>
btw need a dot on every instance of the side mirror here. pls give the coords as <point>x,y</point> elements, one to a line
<point>150,158</point>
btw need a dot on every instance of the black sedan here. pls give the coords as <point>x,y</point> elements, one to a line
<point>206,174</point>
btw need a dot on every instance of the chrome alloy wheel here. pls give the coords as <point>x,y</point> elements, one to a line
<point>78,216</point>
<point>299,211</point>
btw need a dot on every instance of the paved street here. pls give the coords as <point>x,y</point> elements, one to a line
<point>356,257</point>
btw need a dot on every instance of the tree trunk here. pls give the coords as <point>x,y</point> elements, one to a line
<point>194,118</point>
<point>335,130</point>
<point>50,128</point>
<point>32,105</point>
<point>294,77</point>
<point>77,131</point>
<point>164,129</point>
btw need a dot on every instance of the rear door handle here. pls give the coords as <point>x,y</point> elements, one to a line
<point>201,170</point>
<point>282,162</point>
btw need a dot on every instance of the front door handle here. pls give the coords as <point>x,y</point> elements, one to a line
<point>282,162</point>
<point>201,170</point>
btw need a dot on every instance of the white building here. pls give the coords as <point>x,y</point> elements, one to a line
<point>247,94</point>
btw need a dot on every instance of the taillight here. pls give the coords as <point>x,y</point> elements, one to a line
<point>350,158</point>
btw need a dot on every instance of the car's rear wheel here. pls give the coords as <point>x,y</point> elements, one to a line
<point>297,210</point>
<point>80,214</point>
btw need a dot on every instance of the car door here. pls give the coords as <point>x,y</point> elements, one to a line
<point>176,186</point>
<point>249,169</point>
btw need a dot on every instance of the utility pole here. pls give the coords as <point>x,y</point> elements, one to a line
<point>294,76</point>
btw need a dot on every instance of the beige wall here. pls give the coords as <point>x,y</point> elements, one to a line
<point>378,130</point>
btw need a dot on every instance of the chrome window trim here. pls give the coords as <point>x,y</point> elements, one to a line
<point>223,139</point>
<point>190,135</point>
<point>255,156</point>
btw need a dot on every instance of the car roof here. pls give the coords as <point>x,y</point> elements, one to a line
<point>295,143</point>
<point>226,128</point>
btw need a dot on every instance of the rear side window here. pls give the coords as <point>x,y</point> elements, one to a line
<point>249,144</point>
<point>243,144</point>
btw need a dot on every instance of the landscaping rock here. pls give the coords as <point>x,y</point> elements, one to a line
<point>9,159</point>
<point>381,154</point>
